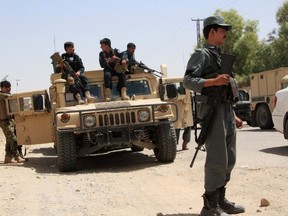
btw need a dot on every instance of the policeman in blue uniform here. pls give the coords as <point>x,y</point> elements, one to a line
<point>203,74</point>
<point>109,59</point>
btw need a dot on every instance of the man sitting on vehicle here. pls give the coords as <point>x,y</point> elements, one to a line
<point>109,59</point>
<point>76,64</point>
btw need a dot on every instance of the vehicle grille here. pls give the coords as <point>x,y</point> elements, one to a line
<point>116,119</point>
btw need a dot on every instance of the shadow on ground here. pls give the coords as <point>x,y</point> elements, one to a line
<point>280,150</point>
<point>44,160</point>
<point>180,214</point>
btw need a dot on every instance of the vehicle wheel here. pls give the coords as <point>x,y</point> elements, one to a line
<point>286,130</point>
<point>135,148</point>
<point>264,118</point>
<point>66,151</point>
<point>166,142</point>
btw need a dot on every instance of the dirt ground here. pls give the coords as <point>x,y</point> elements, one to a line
<point>126,183</point>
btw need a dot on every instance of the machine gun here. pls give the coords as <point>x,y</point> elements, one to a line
<point>56,59</point>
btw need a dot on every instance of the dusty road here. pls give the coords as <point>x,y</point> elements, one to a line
<point>126,183</point>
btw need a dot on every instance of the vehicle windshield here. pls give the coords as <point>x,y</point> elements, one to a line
<point>135,87</point>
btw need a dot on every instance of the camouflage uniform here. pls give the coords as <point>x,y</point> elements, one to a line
<point>7,126</point>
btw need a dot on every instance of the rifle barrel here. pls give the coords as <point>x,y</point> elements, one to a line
<point>194,157</point>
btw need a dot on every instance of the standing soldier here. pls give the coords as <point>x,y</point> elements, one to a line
<point>7,125</point>
<point>108,59</point>
<point>204,75</point>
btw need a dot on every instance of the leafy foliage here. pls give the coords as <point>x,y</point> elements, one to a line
<point>252,55</point>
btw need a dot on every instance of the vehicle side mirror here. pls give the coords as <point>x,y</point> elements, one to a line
<point>171,91</point>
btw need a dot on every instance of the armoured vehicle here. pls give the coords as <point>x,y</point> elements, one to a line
<point>263,88</point>
<point>145,121</point>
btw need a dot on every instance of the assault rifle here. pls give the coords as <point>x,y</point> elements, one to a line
<point>144,67</point>
<point>213,99</point>
<point>56,59</point>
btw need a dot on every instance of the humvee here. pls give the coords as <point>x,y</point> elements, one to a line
<point>147,120</point>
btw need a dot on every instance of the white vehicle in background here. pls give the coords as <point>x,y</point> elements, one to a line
<point>280,112</point>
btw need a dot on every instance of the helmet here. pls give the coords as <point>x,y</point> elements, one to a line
<point>105,41</point>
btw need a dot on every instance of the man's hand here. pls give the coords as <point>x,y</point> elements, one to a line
<point>77,73</point>
<point>222,79</point>
<point>60,64</point>
<point>123,62</point>
<point>239,122</point>
<point>113,58</point>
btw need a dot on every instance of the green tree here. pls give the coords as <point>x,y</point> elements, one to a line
<point>232,17</point>
<point>242,42</point>
<point>279,46</point>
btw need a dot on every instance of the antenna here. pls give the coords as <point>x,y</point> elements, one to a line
<point>17,83</point>
<point>54,44</point>
<point>5,78</point>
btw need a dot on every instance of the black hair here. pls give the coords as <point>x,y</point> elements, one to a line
<point>106,41</point>
<point>68,44</point>
<point>207,29</point>
<point>131,45</point>
<point>5,83</point>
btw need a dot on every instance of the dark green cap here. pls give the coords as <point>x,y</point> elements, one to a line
<point>216,20</point>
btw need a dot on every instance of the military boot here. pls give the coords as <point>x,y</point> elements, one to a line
<point>78,97</point>
<point>184,145</point>
<point>107,94</point>
<point>211,206</point>
<point>124,94</point>
<point>19,159</point>
<point>7,159</point>
<point>89,98</point>
<point>227,206</point>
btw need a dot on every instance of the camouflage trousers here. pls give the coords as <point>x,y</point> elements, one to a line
<point>11,147</point>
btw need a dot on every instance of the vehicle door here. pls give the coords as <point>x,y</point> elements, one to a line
<point>31,112</point>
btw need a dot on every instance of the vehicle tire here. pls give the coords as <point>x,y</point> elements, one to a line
<point>264,118</point>
<point>135,148</point>
<point>66,151</point>
<point>286,129</point>
<point>166,143</point>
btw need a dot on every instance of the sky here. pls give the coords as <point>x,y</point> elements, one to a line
<point>163,31</point>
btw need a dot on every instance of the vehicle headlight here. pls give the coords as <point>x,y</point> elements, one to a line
<point>89,121</point>
<point>143,115</point>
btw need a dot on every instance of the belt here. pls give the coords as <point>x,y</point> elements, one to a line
<point>205,99</point>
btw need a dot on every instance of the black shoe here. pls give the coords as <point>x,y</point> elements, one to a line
<point>211,206</point>
<point>230,207</point>
<point>226,205</point>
